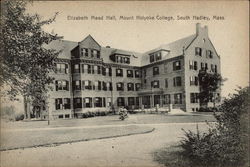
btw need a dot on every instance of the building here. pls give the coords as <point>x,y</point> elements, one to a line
<point>90,77</point>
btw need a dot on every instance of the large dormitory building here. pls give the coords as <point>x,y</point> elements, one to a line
<point>90,77</point>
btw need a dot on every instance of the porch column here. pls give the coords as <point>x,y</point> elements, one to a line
<point>152,101</point>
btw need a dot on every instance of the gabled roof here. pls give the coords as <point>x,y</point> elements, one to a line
<point>91,38</point>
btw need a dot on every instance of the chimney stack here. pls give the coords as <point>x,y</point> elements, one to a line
<point>198,27</point>
<point>201,30</point>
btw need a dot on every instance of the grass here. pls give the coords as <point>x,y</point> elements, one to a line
<point>171,157</point>
<point>39,137</point>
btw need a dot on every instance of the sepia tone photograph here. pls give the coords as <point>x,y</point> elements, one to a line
<point>124,83</point>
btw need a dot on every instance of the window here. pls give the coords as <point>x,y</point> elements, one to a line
<point>122,59</point>
<point>193,80</point>
<point>109,102</point>
<point>155,70</point>
<point>215,70</point>
<point>98,102</point>
<point>120,101</point>
<point>137,86</point>
<point>98,54</point>
<point>95,69</point>
<point>130,87</point>
<point>137,103</point>
<point>212,68</point>
<point>193,65</point>
<point>66,103</point>
<point>104,71</point>
<point>178,98</point>
<point>110,71</point>
<point>130,73</point>
<point>62,85</point>
<point>127,60</point>
<point>194,97</point>
<point>209,54</point>
<point>166,83</point>
<point>158,56</point>
<point>177,65</point>
<point>131,101</point>
<point>99,85</point>
<point>99,70</point>
<point>177,81</point>
<point>155,57</point>
<point>104,86</point>
<point>88,102</point>
<point>84,52</point>
<point>166,99</point>
<point>62,68</point>
<point>59,104</point>
<point>137,74</point>
<point>93,53</point>
<point>87,85</point>
<point>206,66</point>
<point>78,102</point>
<point>198,51</point>
<point>77,68</point>
<point>202,66</point>
<point>155,84</point>
<point>119,72</point>
<point>109,86</point>
<point>77,85</point>
<point>120,86</point>
<point>151,58</point>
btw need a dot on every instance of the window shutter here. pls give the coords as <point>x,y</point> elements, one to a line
<point>66,68</point>
<point>56,85</point>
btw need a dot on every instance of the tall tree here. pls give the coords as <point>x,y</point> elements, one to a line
<point>25,62</point>
<point>209,84</point>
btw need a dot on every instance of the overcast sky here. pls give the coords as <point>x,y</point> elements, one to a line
<point>229,36</point>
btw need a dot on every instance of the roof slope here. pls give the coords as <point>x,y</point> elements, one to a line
<point>175,48</point>
<point>64,46</point>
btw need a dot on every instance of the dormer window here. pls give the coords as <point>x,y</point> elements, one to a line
<point>152,58</point>
<point>122,59</point>
<point>155,56</point>
<point>158,56</point>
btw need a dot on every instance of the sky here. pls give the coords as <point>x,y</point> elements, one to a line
<point>230,35</point>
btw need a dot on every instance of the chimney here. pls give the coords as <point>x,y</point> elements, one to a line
<point>206,30</point>
<point>198,28</point>
<point>201,30</point>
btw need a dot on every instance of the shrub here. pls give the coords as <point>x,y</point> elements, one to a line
<point>208,109</point>
<point>19,117</point>
<point>227,143</point>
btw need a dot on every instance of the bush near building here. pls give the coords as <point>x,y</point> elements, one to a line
<point>227,143</point>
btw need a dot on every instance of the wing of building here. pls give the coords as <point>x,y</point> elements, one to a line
<point>90,77</point>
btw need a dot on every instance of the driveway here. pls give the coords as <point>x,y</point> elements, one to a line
<point>127,151</point>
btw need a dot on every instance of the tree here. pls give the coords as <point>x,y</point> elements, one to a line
<point>25,62</point>
<point>209,84</point>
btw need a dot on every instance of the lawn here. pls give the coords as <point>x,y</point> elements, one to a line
<point>24,134</point>
<point>112,120</point>
<point>14,139</point>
